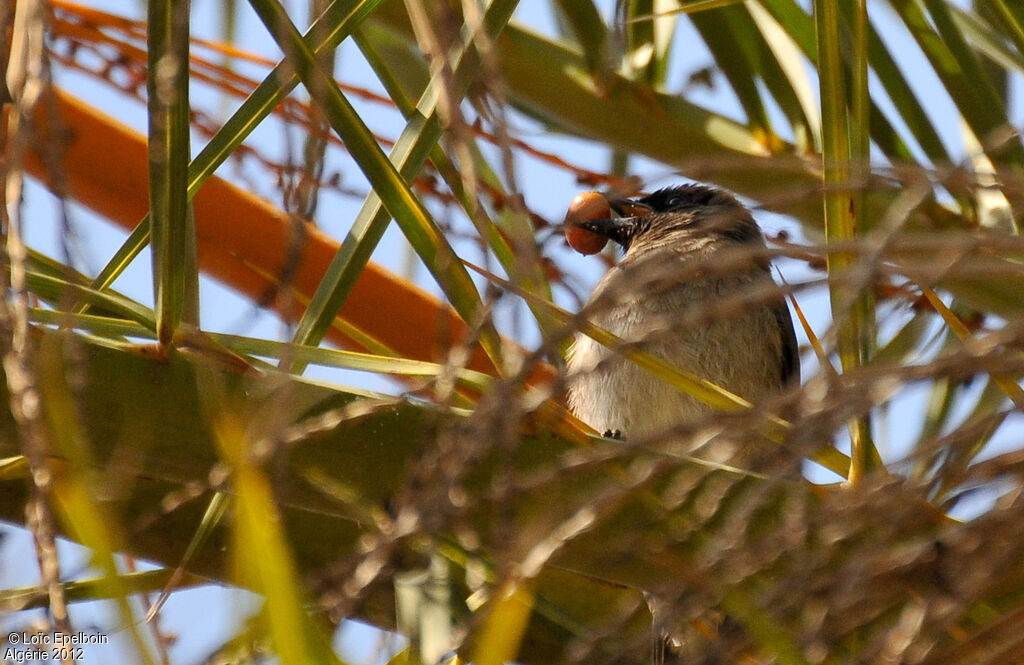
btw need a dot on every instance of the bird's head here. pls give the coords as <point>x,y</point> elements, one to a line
<point>688,215</point>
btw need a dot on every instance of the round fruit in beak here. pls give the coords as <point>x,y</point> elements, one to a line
<point>586,206</point>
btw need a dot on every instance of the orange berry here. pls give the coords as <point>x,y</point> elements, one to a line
<point>586,206</point>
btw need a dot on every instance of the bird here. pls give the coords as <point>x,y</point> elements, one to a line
<point>687,250</point>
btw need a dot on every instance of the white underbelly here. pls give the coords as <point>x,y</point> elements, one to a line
<point>609,392</point>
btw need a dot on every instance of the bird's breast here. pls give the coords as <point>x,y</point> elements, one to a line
<point>737,348</point>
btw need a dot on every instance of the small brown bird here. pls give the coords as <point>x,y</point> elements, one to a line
<point>687,249</point>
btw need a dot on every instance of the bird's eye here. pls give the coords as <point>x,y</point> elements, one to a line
<point>673,201</point>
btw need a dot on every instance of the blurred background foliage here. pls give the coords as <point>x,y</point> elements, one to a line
<point>456,502</point>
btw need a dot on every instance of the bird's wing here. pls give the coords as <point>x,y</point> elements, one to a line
<point>790,352</point>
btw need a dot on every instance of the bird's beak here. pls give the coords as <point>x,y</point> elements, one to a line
<point>622,228</point>
<point>629,207</point>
